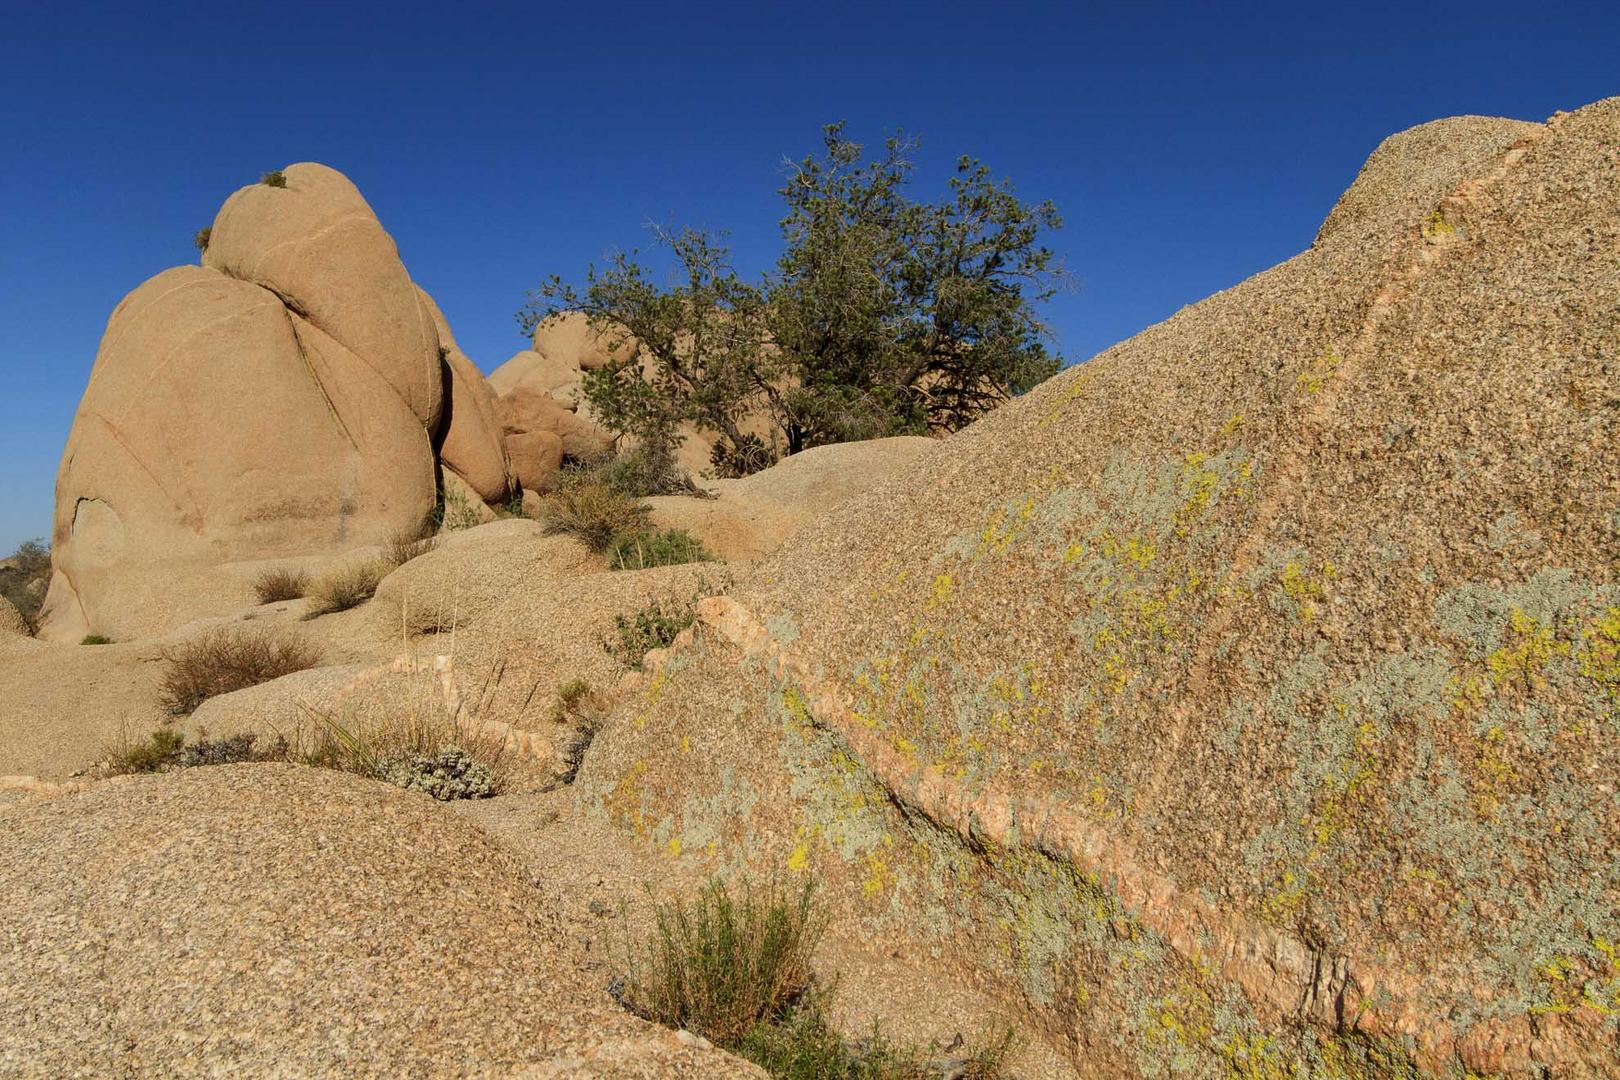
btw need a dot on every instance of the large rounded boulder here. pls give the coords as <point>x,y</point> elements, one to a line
<point>272,920</point>
<point>218,425</point>
<point>470,440</point>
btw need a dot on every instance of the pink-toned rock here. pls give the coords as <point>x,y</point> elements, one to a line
<point>528,410</point>
<point>316,244</point>
<point>536,456</point>
<point>470,444</point>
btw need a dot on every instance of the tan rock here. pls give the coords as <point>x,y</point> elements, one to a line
<point>463,506</point>
<point>556,378</point>
<point>470,443</point>
<point>526,410</point>
<point>217,426</point>
<point>535,456</point>
<point>316,244</point>
<point>11,620</point>
<point>257,920</point>
<point>569,338</point>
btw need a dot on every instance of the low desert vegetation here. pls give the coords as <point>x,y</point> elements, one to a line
<point>203,235</point>
<point>274,586</point>
<point>228,660</point>
<point>274,178</point>
<point>419,748</point>
<point>646,548</point>
<point>408,544</point>
<point>345,586</point>
<point>24,580</point>
<point>95,639</point>
<point>594,513</point>
<point>653,626</point>
<point>577,708</point>
<point>455,512</point>
<point>735,967</point>
<point>167,749</point>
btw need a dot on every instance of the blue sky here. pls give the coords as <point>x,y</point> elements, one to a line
<point>1187,146</point>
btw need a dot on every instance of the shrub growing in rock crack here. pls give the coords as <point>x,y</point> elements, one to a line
<point>229,660</point>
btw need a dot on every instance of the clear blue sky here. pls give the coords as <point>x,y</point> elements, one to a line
<point>1187,146</point>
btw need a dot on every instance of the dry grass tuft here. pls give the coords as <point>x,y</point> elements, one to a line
<point>594,512</point>
<point>228,660</point>
<point>275,586</point>
<point>348,585</point>
<point>409,544</point>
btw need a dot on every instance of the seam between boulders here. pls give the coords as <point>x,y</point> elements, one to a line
<point>314,377</point>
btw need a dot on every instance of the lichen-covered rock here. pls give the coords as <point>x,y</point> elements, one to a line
<point>1245,701</point>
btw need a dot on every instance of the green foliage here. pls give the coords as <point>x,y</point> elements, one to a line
<point>743,458</point>
<point>451,773</point>
<point>155,754</point>
<point>456,512</point>
<point>595,513</point>
<point>645,471</point>
<point>652,627</point>
<point>95,639</point>
<point>276,178</point>
<point>202,236</point>
<point>274,586</point>
<point>646,548</point>
<point>228,660</point>
<point>735,968</point>
<point>725,963</point>
<point>25,580</point>
<point>883,316</point>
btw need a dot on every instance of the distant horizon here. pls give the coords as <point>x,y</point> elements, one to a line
<point>499,146</point>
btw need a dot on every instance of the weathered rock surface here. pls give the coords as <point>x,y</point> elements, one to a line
<point>218,425</point>
<point>539,431</point>
<point>267,920</point>
<point>751,517</point>
<point>470,443</point>
<point>1250,692</point>
<point>11,620</point>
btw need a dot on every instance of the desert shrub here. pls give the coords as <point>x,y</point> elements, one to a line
<point>728,961</point>
<point>408,544</point>
<point>744,457</point>
<point>593,512</point>
<point>646,548</point>
<point>646,470</point>
<point>229,660</point>
<point>203,235</point>
<point>345,586</point>
<point>24,581</point>
<point>457,512</point>
<point>95,639</point>
<point>274,178</point>
<point>651,627</point>
<point>735,968</point>
<point>157,752</point>
<point>449,774</point>
<point>274,586</point>
<point>576,707</point>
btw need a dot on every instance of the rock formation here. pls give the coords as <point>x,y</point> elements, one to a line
<point>1246,698</point>
<point>11,620</point>
<point>284,398</point>
<point>273,920</point>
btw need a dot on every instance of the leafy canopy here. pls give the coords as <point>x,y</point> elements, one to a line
<point>884,315</point>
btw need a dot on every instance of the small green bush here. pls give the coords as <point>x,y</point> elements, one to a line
<point>457,512</point>
<point>726,963</point>
<point>593,512</point>
<point>652,627</point>
<point>647,548</point>
<point>748,456</point>
<point>645,471</point>
<point>202,236</point>
<point>95,639</point>
<point>24,581</point>
<point>274,586</point>
<point>275,178</point>
<point>155,754</point>
<point>450,774</point>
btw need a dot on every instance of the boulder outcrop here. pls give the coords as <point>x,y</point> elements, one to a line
<point>1245,697</point>
<point>293,396</point>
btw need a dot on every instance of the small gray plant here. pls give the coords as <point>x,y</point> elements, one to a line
<point>452,773</point>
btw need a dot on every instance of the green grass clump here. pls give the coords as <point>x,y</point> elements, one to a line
<point>735,968</point>
<point>155,754</point>
<point>230,660</point>
<point>652,627</point>
<point>274,178</point>
<point>646,548</point>
<point>95,639</point>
